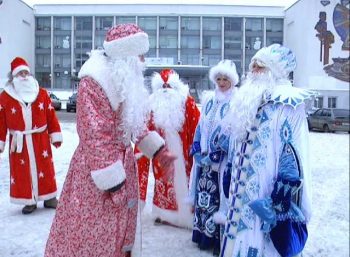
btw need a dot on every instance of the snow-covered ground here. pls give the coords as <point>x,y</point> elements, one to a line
<point>25,236</point>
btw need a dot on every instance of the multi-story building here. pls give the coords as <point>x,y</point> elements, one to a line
<point>191,37</point>
<point>187,37</point>
<point>16,35</point>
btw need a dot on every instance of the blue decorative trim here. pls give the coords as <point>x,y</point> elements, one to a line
<point>196,148</point>
<point>286,132</point>
<point>224,110</point>
<point>209,106</point>
<point>292,96</point>
<point>214,139</point>
<point>264,117</point>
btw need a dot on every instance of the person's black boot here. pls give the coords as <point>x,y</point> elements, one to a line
<point>51,203</point>
<point>28,209</point>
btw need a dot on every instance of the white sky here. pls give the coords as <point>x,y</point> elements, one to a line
<point>223,2</point>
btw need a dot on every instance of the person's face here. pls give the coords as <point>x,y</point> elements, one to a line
<point>223,83</point>
<point>23,74</point>
<point>256,69</point>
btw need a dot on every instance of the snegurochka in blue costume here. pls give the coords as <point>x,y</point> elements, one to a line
<point>269,195</point>
<point>210,151</point>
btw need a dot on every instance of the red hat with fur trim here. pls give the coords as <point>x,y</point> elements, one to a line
<point>18,64</point>
<point>126,40</point>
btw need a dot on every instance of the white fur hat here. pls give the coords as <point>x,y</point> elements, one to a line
<point>170,77</point>
<point>279,59</point>
<point>226,68</point>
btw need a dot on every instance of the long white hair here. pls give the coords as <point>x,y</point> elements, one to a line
<point>246,101</point>
<point>128,74</point>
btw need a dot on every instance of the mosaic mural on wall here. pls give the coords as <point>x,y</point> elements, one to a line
<point>340,68</point>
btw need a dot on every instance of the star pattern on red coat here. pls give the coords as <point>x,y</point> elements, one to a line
<point>21,161</point>
<point>41,106</point>
<point>13,110</point>
<point>50,107</point>
<point>41,174</point>
<point>45,154</point>
<point>1,108</point>
<point>12,180</point>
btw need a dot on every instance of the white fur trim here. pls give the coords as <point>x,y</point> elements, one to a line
<point>20,68</point>
<point>27,117</point>
<point>157,81</point>
<point>10,90</point>
<point>226,68</point>
<point>2,146</point>
<point>219,218</point>
<point>47,196</point>
<point>132,45</point>
<point>110,176</point>
<point>98,68</point>
<point>138,156</point>
<point>56,137</point>
<point>183,216</point>
<point>150,144</point>
<point>142,205</point>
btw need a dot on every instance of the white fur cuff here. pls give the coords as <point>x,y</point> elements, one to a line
<point>2,146</point>
<point>109,177</point>
<point>150,144</point>
<point>56,137</point>
<point>219,218</point>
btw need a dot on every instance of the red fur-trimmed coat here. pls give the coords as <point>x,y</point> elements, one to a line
<point>166,199</point>
<point>89,220</point>
<point>32,174</point>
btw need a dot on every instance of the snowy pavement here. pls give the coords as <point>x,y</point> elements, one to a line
<point>25,236</point>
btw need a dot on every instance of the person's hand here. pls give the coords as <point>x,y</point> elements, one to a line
<point>165,158</point>
<point>57,144</point>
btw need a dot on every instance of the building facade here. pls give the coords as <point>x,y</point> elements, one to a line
<point>189,38</point>
<point>16,35</point>
<point>318,33</point>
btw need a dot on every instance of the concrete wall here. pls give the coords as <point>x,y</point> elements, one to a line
<point>17,35</point>
<point>300,36</point>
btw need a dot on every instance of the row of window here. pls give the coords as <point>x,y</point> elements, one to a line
<point>181,40</point>
<point>332,102</point>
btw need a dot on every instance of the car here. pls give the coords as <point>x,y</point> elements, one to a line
<point>329,120</point>
<point>56,102</point>
<point>72,103</point>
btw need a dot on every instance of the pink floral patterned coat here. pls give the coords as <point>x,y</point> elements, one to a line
<point>89,220</point>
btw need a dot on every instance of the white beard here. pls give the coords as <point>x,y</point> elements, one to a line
<point>128,74</point>
<point>26,88</point>
<point>168,107</point>
<point>246,101</point>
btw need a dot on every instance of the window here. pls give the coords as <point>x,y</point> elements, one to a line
<point>213,24</point>
<point>274,31</point>
<point>254,38</point>
<point>190,23</point>
<point>42,42</point>
<point>332,102</point>
<point>190,42</point>
<point>318,103</point>
<point>62,23</point>
<point>43,23</point>
<point>103,23</point>
<point>125,19</point>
